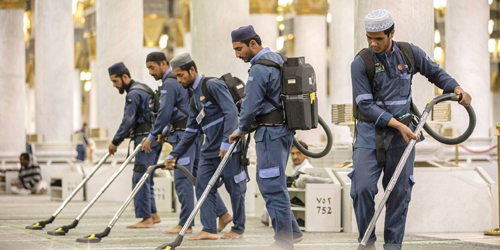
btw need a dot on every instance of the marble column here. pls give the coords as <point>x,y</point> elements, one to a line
<point>467,60</point>
<point>311,42</point>
<point>263,18</point>
<point>211,24</point>
<point>342,53</point>
<point>54,69</point>
<point>414,23</point>
<point>119,38</point>
<point>12,79</point>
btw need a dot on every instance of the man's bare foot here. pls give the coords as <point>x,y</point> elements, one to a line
<point>156,218</point>
<point>145,223</point>
<point>231,236</point>
<point>204,236</point>
<point>177,229</point>
<point>266,223</point>
<point>272,247</point>
<point>223,221</point>
<point>297,240</point>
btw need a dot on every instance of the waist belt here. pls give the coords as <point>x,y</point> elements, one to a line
<point>140,130</point>
<point>273,118</point>
<point>180,125</point>
<point>383,144</point>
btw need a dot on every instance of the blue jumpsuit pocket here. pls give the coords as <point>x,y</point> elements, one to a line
<point>184,161</point>
<point>351,174</point>
<point>240,177</point>
<point>267,173</point>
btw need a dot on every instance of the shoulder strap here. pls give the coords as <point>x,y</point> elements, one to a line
<point>367,57</point>
<point>268,63</point>
<point>408,54</point>
<point>204,90</point>
<point>142,87</point>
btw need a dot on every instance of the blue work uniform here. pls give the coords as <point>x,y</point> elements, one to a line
<point>80,148</point>
<point>396,92</point>
<point>273,145</point>
<point>137,112</point>
<point>174,104</point>
<point>217,121</point>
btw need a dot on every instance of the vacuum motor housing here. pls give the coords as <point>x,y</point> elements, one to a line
<point>298,90</point>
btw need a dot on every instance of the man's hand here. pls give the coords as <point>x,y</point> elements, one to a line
<point>146,146</point>
<point>222,153</point>
<point>466,98</point>
<point>233,137</point>
<point>112,148</point>
<point>159,138</point>
<point>407,133</point>
<point>169,164</point>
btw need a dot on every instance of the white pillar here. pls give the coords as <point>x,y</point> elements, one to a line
<point>93,97</point>
<point>12,82</point>
<point>54,69</point>
<point>414,23</point>
<point>77,101</point>
<point>467,60</point>
<point>342,53</point>
<point>263,18</point>
<point>211,24</point>
<point>310,42</point>
<point>120,38</point>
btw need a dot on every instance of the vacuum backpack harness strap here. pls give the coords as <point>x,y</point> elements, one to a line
<point>41,224</point>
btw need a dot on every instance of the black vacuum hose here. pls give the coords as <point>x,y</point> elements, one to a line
<point>440,138</point>
<point>329,143</point>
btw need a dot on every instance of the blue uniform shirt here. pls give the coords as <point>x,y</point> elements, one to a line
<point>262,81</point>
<point>396,90</point>
<point>220,119</point>
<point>136,111</point>
<point>172,98</point>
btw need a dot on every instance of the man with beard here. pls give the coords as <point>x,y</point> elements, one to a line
<point>171,121</point>
<point>137,119</point>
<point>212,110</point>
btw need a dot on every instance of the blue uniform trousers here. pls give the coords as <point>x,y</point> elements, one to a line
<point>184,187</point>
<point>272,157</point>
<point>234,178</point>
<point>365,176</point>
<point>144,199</point>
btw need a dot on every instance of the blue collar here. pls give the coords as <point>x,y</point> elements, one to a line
<point>166,73</point>
<point>256,57</point>
<point>196,82</point>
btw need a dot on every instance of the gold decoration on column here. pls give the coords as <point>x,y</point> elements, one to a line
<point>185,7</point>
<point>90,37</point>
<point>263,6</point>
<point>180,29</point>
<point>153,27</point>
<point>311,7</point>
<point>13,4</point>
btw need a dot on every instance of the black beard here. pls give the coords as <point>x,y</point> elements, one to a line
<point>121,90</point>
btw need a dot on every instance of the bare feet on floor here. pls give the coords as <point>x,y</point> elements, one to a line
<point>156,218</point>
<point>223,221</point>
<point>297,240</point>
<point>204,236</point>
<point>231,236</point>
<point>145,223</point>
<point>177,229</point>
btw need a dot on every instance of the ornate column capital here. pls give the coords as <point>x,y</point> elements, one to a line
<point>311,7</point>
<point>13,4</point>
<point>263,6</point>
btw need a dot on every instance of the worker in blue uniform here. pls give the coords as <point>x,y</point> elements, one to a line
<point>136,124</point>
<point>171,123</point>
<point>383,102</point>
<point>217,119</point>
<point>273,139</point>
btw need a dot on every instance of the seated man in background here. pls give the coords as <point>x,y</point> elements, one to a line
<point>300,164</point>
<point>30,178</point>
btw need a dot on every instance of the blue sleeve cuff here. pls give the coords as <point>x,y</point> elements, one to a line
<point>170,157</point>
<point>165,129</point>
<point>383,119</point>
<point>225,146</point>
<point>151,138</point>
<point>239,132</point>
<point>450,86</point>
